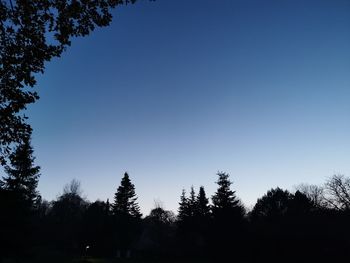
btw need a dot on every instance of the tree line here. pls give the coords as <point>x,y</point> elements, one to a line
<point>310,223</point>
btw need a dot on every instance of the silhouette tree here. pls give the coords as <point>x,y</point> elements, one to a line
<point>201,223</point>
<point>203,208</point>
<point>225,201</point>
<point>273,205</point>
<point>228,219</point>
<point>32,33</point>
<point>125,199</point>
<point>96,229</point>
<point>22,175</point>
<point>300,205</point>
<point>158,234</point>
<point>183,212</point>
<point>338,192</point>
<point>284,222</point>
<point>315,193</point>
<point>127,218</point>
<point>160,215</point>
<point>18,200</point>
<point>70,202</point>
<point>192,203</point>
<point>188,210</point>
<point>66,215</point>
<point>186,222</point>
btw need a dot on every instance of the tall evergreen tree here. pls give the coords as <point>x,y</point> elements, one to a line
<point>183,212</point>
<point>192,203</point>
<point>125,199</point>
<point>18,198</point>
<point>225,201</point>
<point>188,206</point>
<point>228,218</point>
<point>22,175</point>
<point>203,208</point>
<point>202,222</point>
<point>187,222</point>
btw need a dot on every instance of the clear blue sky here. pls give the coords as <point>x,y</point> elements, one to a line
<point>174,91</point>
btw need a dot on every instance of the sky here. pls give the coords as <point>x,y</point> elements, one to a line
<point>174,91</point>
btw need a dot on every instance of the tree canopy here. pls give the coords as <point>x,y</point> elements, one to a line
<point>273,204</point>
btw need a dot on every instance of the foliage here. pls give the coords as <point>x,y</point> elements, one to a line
<point>274,204</point>
<point>313,192</point>
<point>125,199</point>
<point>22,175</point>
<point>301,204</point>
<point>161,216</point>
<point>183,211</point>
<point>203,208</point>
<point>225,201</point>
<point>158,232</point>
<point>194,206</point>
<point>67,215</point>
<point>70,206</point>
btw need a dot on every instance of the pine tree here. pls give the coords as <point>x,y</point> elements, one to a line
<point>203,208</point>
<point>183,207</point>
<point>125,199</point>
<point>225,201</point>
<point>22,175</point>
<point>227,229</point>
<point>192,203</point>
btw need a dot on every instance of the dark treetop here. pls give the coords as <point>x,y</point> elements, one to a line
<point>125,199</point>
<point>22,175</point>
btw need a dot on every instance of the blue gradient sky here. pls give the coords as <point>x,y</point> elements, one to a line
<point>174,91</point>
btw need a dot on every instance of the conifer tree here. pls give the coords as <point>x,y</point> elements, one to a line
<point>125,199</point>
<point>225,201</point>
<point>183,207</point>
<point>203,208</point>
<point>192,203</point>
<point>22,175</point>
<point>227,228</point>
